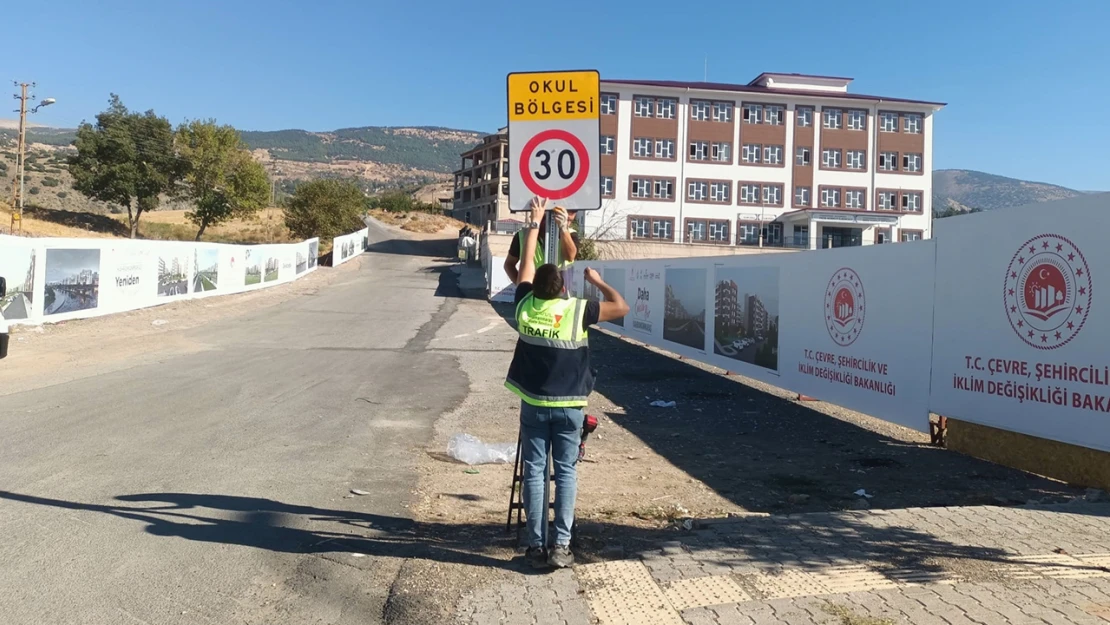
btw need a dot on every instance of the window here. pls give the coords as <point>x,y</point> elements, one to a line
<point>644,107</point>
<point>833,119</point>
<point>747,233</point>
<point>697,191</point>
<point>772,114</point>
<point>803,156</point>
<point>749,193</point>
<point>801,196</point>
<point>830,198</point>
<point>888,122</point>
<point>662,229</point>
<point>911,235</point>
<point>719,191</point>
<point>664,189</point>
<point>911,202</point>
<point>608,104</point>
<point>641,187</point>
<point>804,115</point>
<point>751,152</point>
<point>911,162</point>
<point>772,194</point>
<point>664,148</point>
<point>857,159</point>
<point>853,198</point>
<point>665,108</point>
<point>911,123</point>
<point>607,186</point>
<point>801,236</point>
<point>639,228</point>
<point>608,144</point>
<point>641,147</point>
<point>718,231</point>
<point>888,161</point>
<point>699,151</point>
<point>857,120</point>
<point>753,113</point>
<point>772,154</point>
<point>882,235</point>
<point>695,230</point>
<point>830,159</point>
<point>699,110</point>
<point>888,200</point>
<point>721,152</point>
<point>722,111</point>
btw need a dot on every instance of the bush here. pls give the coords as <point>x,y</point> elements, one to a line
<point>34,191</point>
<point>62,195</point>
<point>325,208</point>
<point>50,182</point>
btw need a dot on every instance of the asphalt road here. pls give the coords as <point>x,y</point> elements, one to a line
<point>214,487</point>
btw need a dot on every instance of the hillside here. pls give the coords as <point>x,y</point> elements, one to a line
<point>964,189</point>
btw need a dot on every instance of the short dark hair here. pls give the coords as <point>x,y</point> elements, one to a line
<point>548,283</point>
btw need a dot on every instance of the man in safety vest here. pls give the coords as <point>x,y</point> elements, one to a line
<point>568,245</point>
<point>551,373</point>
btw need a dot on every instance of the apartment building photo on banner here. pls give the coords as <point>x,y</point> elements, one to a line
<point>787,161</point>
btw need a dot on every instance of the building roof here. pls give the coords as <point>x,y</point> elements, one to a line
<point>759,78</point>
<point>749,88</point>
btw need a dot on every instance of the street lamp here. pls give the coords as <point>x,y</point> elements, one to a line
<point>21,150</point>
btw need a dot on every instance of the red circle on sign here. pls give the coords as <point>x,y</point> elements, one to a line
<point>575,144</point>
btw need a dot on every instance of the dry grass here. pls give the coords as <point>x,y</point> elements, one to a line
<point>41,228</point>
<point>268,226</point>
<point>423,223</point>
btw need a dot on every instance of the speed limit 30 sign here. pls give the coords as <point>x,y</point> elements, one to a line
<point>554,139</point>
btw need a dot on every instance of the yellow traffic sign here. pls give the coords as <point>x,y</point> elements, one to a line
<point>550,96</point>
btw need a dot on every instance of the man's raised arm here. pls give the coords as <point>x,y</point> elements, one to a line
<point>531,240</point>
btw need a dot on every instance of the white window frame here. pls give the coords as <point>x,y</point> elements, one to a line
<point>831,121</point>
<point>887,200</point>
<point>720,192</point>
<point>664,149</point>
<point>608,186</point>
<point>750,150</point>
<point>857,159</point>
<point>749,193</point>
<point>911,162</point>
<point>608,104</point>
<point>643,106</point>
<point>830,198</point>
<point>608,144</point>
<point>832,158</point>
<point>641,228</point>
<point>772,154</point>
<point>753,110</point>
<point>912,123</point>
<point>909,237</point>
<point>888,121</point>
<point>666,108</point>
<point>720,152</point>
<point>773,114</point>
<point>722,111</point>
<point>695,224</point>
<point>666,227</point>
<point>699,110</point>
<point>640,188</point>
<point>916,196</point>
<point>747,233</point>
<point>642,147</point>
<point>803,156</point>
<point>718,231</point>
<point>857,119</point>
<point>697,190</point>
<point>802,196</point>
<point>772,195</point>
<point>699,150</point>
<point>853,198</point>
<point>662,189</point>
<point>888,161</point>
<point>804,116</point>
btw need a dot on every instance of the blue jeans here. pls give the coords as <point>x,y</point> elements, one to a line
<point>562,429</point>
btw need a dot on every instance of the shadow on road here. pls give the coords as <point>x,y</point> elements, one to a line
<point>440,249</point>
<point>768,454</point>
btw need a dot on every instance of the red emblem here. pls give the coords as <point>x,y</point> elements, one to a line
<point>845,307</point>
<point>1047,291</point>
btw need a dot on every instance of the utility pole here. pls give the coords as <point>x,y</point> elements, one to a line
<point>21,151</point>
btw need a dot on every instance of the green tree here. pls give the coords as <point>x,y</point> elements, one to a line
<point>126,159</point>
<point>325,209</point>
<point>221,178</point>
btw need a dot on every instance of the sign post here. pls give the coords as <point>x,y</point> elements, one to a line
<point>554,139</point>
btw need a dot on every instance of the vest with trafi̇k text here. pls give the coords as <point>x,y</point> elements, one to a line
<point>551,365</point>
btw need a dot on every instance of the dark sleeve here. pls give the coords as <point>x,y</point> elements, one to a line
<point>577,239</point>
<point>522,291</point>
<point>514,247</point>
<point>591,315</point>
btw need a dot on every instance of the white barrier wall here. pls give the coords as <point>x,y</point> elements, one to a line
<point>52,280</point>
<point>1022,328</point>
<point>348,246</point>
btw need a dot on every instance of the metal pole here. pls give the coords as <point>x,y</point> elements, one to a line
<point>22,147</point>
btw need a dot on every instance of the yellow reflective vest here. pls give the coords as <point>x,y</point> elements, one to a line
<point>551,364</point>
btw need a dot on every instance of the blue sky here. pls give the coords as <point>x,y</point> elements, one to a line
<point>1025,81</point>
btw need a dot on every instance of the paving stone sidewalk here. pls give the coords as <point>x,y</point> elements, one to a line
<point>970,565</point>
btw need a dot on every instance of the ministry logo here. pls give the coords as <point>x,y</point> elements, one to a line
<point>845,308</point>
<point>1047,291</point>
